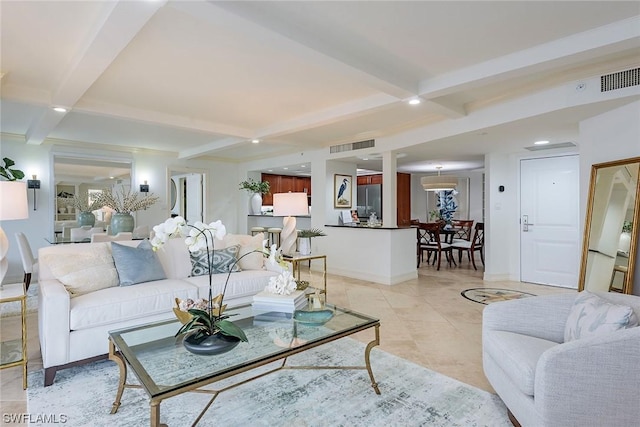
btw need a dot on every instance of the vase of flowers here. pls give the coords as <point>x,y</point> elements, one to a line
<point>86,208</point>
<point>123,204</point>
<point>256,189</point>
<point>204,324</point>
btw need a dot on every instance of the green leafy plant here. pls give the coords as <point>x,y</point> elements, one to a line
<point>627,227</point>
<point>314,232</point>
<point>253,186</point>
<point>8,173</point>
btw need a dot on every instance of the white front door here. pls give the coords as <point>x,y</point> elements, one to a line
<point>550,221</point>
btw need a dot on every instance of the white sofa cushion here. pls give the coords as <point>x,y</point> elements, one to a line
<point>518,355</point>
<point>241,284</point>
<point>591,315</point>
<point>114,305</point>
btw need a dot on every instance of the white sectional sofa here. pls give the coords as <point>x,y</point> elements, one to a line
<point>74,329</point>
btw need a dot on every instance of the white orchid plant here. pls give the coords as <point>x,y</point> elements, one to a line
<point>200,236</point>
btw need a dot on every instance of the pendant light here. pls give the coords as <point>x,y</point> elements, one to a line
<point>439,183</point>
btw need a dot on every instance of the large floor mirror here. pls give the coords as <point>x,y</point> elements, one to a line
<point>186,192</point>
<point>611,227</point>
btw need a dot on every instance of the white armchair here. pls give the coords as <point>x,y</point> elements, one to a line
<point>544,381</point>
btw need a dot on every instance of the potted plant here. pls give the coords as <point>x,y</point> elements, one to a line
<point>304,245</point>
<point>624,244</point>
<point>256,189</point>
<point>11,174</point>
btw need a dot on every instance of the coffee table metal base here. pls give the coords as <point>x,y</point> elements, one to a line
<point>154,403</point>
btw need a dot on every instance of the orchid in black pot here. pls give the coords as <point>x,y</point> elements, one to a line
<point>204,321</point>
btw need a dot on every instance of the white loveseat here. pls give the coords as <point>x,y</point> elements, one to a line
<point>547,382</point>
<point>75,329</point>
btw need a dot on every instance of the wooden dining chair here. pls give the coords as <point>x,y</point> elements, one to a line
<point>463,229</point>
<point>476,244</point>
<point>429,241</point>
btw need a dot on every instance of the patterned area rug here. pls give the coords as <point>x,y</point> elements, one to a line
<point>411,396</point>
<point>489,295</point>
<point>13,308</point>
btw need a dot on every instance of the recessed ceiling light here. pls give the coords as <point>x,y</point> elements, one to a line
<point>303,166</point>
<point>112,177</point>
<point>255,141</point>
<point>414,101</point>
<point>540,142</point>
<point>285,168</point>
<point>60,109</point>
<point>365,158</point>
<point>270,170</point>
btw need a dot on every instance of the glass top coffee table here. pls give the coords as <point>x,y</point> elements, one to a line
<point>165,368</point>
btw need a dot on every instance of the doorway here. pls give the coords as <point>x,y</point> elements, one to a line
<point>187,193</point>
<point>550,221</point>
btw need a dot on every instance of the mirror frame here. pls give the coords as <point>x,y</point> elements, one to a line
<point>627,287</point>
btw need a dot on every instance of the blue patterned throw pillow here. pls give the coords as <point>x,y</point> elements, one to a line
<point>223,261</point>
<point>136,265</point>
<point>591,315</point>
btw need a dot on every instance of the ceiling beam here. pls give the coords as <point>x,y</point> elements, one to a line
<point>120,22</point>
<point>209,148</point>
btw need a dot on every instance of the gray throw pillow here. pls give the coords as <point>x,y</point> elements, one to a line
<point>222,261</point>
<point>136,265</point>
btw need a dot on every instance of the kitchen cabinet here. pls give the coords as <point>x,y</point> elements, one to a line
<point>285,184</point>
<point>403,195</point>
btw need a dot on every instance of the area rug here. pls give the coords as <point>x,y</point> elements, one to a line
<point>489,295</point>
<point>411,396</point>
<point>13,308</point>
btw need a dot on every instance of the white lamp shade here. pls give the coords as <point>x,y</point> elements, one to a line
<point>290,204</point>
<point>13,200</point>
<point>439,183</point>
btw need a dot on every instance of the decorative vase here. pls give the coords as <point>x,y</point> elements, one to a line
<point>304,246</point>
<point>212,344</point>
<point>255,204</point>
<point>121,222</point>
<point>86,218</point>
<point>624,244</point>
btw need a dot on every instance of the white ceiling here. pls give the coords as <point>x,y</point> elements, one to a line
<point>204,78</point>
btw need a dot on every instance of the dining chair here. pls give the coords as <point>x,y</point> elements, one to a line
<point>29,262</point>
<point>470,247</point>
<point>82,233</point>
<point>141,232</point>
<point>104,237</point>
<point>463,229</point>
<point>429,241</point>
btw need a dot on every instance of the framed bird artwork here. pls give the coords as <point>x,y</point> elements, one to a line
<point>342,191</point>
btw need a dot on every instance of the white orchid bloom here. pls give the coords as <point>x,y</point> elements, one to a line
<point>164,231</point>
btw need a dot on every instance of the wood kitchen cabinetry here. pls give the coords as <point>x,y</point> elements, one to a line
<point>403,194</point>
<point>285,184</point>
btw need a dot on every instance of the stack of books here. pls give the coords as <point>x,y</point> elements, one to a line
<point>266,301</point>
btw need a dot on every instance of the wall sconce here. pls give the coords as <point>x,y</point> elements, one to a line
<point>35,184</point>
<point>144,188</point>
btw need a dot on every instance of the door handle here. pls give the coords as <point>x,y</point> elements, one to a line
<point>525,223</point>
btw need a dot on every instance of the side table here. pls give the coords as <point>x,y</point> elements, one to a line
<point>297,259</point>
<point>10,356</point>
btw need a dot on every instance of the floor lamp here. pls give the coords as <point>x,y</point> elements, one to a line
<point>288,205</point>
<point>13,205</point>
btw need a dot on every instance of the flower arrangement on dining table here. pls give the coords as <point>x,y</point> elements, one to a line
<point>125,202</point>
<point>83,204</point>
<point>204,318</point>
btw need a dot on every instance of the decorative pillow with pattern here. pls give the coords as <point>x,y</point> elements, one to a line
<point>252,261</point>
<point>591,315</point>
<point>223,261</point>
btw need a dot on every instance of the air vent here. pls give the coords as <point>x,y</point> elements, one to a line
<point>352,146</point>
<point>620,80</point>
<point>550,146</point>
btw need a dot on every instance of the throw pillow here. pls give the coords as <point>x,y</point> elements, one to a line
<point>222,261</point>
<point>81,273</point>
<point>136,265</point>
<point>591,315</point>
<point>247,243</point>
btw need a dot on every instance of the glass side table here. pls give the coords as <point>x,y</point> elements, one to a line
<point>297,259</point>
<point>14,352</point>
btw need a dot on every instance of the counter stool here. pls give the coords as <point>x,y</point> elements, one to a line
<point>274,235</point>
<point>618,269</point>
<point>256,230</point>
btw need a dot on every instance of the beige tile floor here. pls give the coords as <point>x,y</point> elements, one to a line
<point>425,320</point>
